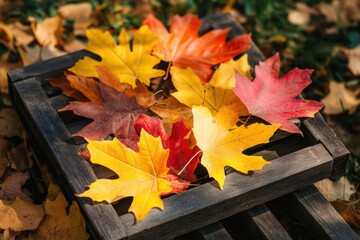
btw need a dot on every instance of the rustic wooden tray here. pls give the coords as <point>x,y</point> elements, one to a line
<point>296,161</point>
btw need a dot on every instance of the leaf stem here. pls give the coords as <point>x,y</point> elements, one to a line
<point>167,70</point>
<point>187,164</point>
<point>247,120</point>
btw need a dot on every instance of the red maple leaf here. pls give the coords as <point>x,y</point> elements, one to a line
<point>182,160</point>
<point>184,48</point>
<point>274,99</point>
<point>115,115</point>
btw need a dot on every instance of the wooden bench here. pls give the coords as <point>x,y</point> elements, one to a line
<point>297,162</point>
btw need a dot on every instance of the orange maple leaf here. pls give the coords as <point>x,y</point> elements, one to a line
<point>184,48</point>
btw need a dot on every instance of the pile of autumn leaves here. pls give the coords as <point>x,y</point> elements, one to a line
<point>167,121</point>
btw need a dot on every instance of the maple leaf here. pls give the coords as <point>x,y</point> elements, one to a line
<point>128,64</point>
<point>170,109</point>
<point>191,91</point>
<point>115,115</point>
<point>63,83</point>
<point>221,147</point>
<point>272,98</point>
<point>184,48</point>
<point>141,174</point>
<point>182,159</point>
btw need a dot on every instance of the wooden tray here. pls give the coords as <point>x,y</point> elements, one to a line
<point>296,161</point>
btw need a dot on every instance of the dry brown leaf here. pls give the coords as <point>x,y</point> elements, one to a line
<point>38,53</point>
<point>341,189</point>
<point>20,157</point>
<point>353,55</point>
<point>48,32</point>
<point>6,67</point>
<point>10,124</point>
<point>333,12</point>
<point>20,215</point>
<point>6,36</point>
<point>4,161</point>
<point>80,13</point>
<point>301,15</point>
<point>73,45</point>
<point>59,225</point>
<point>12,186</point>
<point>22,33</point>
<point>9,235</point>
<point>340,99</point>
<point>349,211</point>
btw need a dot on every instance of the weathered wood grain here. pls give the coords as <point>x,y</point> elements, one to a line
<point>317,214</point>
<point>215,231</point>
<point>206,203</point>
<point>263,224</point>
<point>72,172</point>
<point>319,131</point>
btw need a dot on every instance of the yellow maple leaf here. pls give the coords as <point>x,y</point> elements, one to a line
<point>223,147</point>
<point>141,174</point>
<point>128,65</point>
<point>215,94</point>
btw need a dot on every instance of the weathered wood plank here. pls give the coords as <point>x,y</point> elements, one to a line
<point>73,172</point>
<point>240,192</point>
<point>215,231</point>
<point>321,132</point>
<point>319,217</point>
<point>263,224</point>
<point>50,68</point>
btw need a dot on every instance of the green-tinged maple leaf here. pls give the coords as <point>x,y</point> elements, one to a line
<point>223,147</point>
<point>142,174</point>
<point>128,64</point>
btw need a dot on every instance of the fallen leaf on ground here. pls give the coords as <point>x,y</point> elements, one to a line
<point>128,64</point>
<point>5,67</point>
<point>80,13</point>
<point>20,215</point>
<point>353,55</point>
<point>88,87</point>
<point>6,36</point>
<point>183,48</point>
<point>301,14</point>
<point>340,99</point>
<point>10,124</point>
<point>4,161</point>
<point>20,157</point>
<point>221,147</point>
<point>59,224</point>
<point>141,174</point>
<point>274,99</point>
<point>22,33</point>
<point>349,211</point>
<point>40,53</point>
<point>49,31</point>
<point>12,186</point>
<point>73,45</point>
<point>333,190</point>
<point>115,115</point>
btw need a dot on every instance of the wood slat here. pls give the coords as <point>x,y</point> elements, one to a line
<point>317,214</point>
<point>321,132</point>
<point>215,231</point>
<point>206,203</point>
<point>263,224</point>
<point>72,171</point>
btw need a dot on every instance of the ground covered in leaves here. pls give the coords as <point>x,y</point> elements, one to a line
<point>320,35</point>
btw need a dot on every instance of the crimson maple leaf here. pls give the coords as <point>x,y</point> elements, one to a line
<point>182,159</point>
<point>274,99</point>
<point>115,115</point>
<point>184,48</point>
